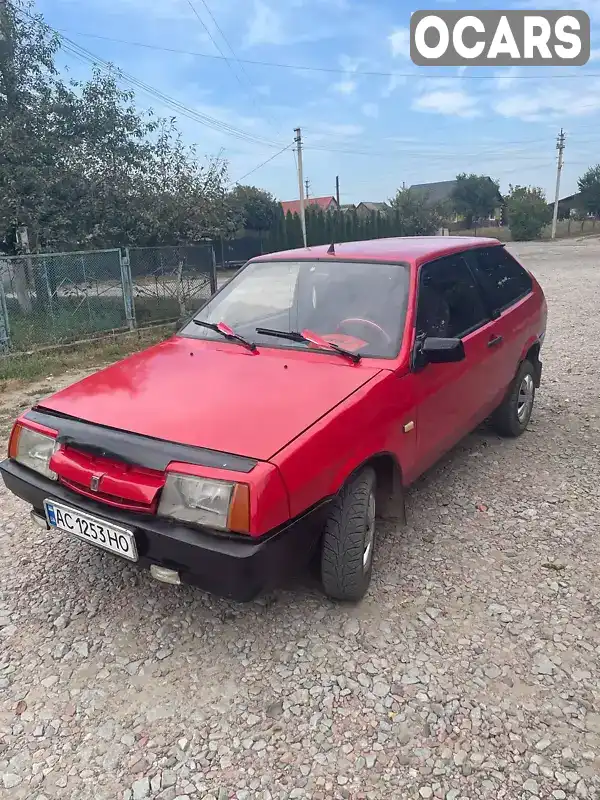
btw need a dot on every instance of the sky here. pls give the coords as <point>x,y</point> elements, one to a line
<point>377,132</point>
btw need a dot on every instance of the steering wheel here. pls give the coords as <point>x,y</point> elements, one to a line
<point>369,323</point>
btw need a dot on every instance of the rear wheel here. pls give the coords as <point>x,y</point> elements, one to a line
<point>349,539</point>
<point>513,414</point>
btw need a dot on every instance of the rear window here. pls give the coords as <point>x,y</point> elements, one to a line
<point>503,279</point>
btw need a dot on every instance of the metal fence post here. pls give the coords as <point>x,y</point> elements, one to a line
<point>127,285</point>
<point>4,324</point>
<point>213,274</point>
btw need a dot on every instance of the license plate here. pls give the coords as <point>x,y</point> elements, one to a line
<point>91,529</point>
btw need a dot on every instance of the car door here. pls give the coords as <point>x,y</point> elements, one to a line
<point>449,304</point>
<point>507,289</point>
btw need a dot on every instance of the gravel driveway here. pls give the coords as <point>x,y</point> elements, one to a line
<point>471,670</point>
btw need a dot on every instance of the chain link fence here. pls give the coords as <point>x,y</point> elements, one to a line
<point>170,282</point>
<point>233,253</point>
<point>56,298</point>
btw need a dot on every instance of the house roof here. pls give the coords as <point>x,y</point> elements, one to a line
<point>572,198</point>
<point>294,205</point>
<point>411,249</point>
<point>440,191</point>
<point>374,206</point>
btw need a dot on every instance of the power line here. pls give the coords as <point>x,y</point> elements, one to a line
<point>444,156</point>
<point>334,70</point>
<point>287,147</point>
<point>80,52</point>
<point>226,40</point>
<point>206,28</point>
<point>170,102</point>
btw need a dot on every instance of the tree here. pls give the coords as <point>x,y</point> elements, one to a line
<point>475,197</point>
<point>81,166</point>
<point>415,215</point>
<point>28,119</point>
<point>528,212</point>
<point>257,208</point>
<point>180,200</point>
<point>589,186</point>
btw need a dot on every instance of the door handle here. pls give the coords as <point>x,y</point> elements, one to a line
<point>494,341</point>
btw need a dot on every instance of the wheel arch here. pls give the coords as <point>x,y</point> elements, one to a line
<point>390,491</point>
<point>531,353</point>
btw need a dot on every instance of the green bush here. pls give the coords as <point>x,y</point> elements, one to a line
<point>528,212</point>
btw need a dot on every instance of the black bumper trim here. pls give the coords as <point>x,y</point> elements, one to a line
<point>133,448</point>
<point>235,566</point>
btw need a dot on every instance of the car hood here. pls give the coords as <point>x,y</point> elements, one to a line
<point>213,395</point>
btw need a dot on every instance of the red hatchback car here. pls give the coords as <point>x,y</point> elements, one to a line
<point>293,409</point>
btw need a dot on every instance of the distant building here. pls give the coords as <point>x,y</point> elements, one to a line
<point>324,203</point>
<point>442,191</point>
<point>363,209</point>
<point>348,207</point>
<point>569,206</point>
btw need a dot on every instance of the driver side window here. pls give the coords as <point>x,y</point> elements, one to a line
<point>449,301</point>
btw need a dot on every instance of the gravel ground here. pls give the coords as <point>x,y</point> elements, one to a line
<point>471,670</point>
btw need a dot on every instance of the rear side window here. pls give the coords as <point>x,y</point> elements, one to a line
<point>503,279</point>
<point>449,302</point>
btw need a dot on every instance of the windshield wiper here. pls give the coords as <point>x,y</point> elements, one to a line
<point>311,338</point>
<point>226,331</point>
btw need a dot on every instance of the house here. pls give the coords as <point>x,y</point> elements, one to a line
<point>441,192</point>
<point>569,206</point>
<point>348,207</point>
<point>324,203</point>
<point>364,209</point>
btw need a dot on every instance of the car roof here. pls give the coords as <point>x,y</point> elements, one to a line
<point>414,249</point>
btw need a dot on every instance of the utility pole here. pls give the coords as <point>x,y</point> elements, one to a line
<point>298,141</point>
<point>560,146</point>
<point>337,189</point>
<point>307,184</point>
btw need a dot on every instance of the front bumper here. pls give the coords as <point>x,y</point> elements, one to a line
<point>234,566</point>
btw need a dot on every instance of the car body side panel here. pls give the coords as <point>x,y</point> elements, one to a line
<point>453,399</point>
<point>318,463</point>
<point>518,327</point>
<point>539,320</point>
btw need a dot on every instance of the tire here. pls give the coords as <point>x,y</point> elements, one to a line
<point>513,414</point>
<point>349,539</point>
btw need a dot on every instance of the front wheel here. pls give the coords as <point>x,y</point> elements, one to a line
<point>513,414</point>
<point>349,539</point>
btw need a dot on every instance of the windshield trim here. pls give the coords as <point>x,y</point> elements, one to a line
<point>292,259</point>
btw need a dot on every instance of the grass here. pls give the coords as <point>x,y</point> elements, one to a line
<point>564,230</point>
<point>70,319</point>
<point>25,368</point>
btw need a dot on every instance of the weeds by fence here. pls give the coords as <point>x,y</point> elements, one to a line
<point>56,298</point>
<point>566,228</point>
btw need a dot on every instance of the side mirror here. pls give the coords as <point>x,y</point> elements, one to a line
<point>442,351</point>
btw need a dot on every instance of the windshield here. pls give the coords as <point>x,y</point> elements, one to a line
<point>358,306</point>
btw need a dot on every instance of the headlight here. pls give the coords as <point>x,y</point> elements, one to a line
<point>32,449</point>
<point>204,501</point>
